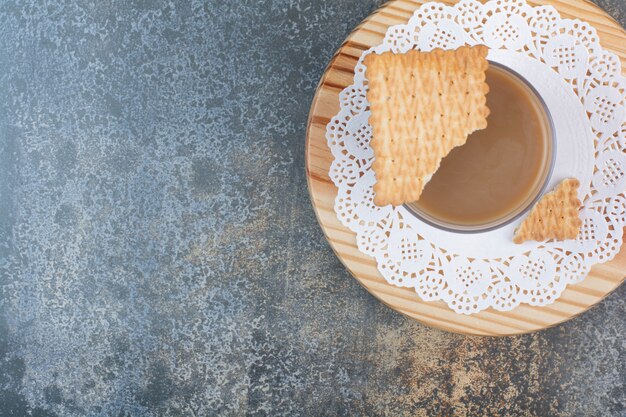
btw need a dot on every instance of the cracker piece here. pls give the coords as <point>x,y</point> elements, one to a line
<point>555,216</point>
<point>423,104</point>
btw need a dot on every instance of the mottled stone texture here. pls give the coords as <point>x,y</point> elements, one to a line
<point>158,250</point>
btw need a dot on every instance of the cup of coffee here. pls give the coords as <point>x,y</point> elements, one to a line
<point>501,171</point>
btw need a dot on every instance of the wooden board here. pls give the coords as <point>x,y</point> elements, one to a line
<point>576,299</point>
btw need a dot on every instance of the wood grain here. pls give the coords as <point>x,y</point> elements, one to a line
<point>576,299</point>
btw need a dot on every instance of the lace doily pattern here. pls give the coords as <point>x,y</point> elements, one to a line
<point>468,285</point>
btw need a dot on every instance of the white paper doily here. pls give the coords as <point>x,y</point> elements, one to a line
<point>585,93</point>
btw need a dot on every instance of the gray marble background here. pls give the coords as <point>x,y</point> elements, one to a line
<point>159,255</point>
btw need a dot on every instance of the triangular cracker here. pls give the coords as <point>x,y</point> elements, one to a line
<point>555,216</point>
<point>423,104</point>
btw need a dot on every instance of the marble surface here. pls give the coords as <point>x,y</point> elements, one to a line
<point>159,255</point>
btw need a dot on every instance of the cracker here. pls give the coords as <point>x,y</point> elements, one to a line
<point>423,104</point>
<point>555,216</point>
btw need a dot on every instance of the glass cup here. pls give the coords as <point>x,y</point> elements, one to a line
<point>540,181</point>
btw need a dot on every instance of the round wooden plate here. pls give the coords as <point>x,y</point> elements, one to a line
<point>576,299</point>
